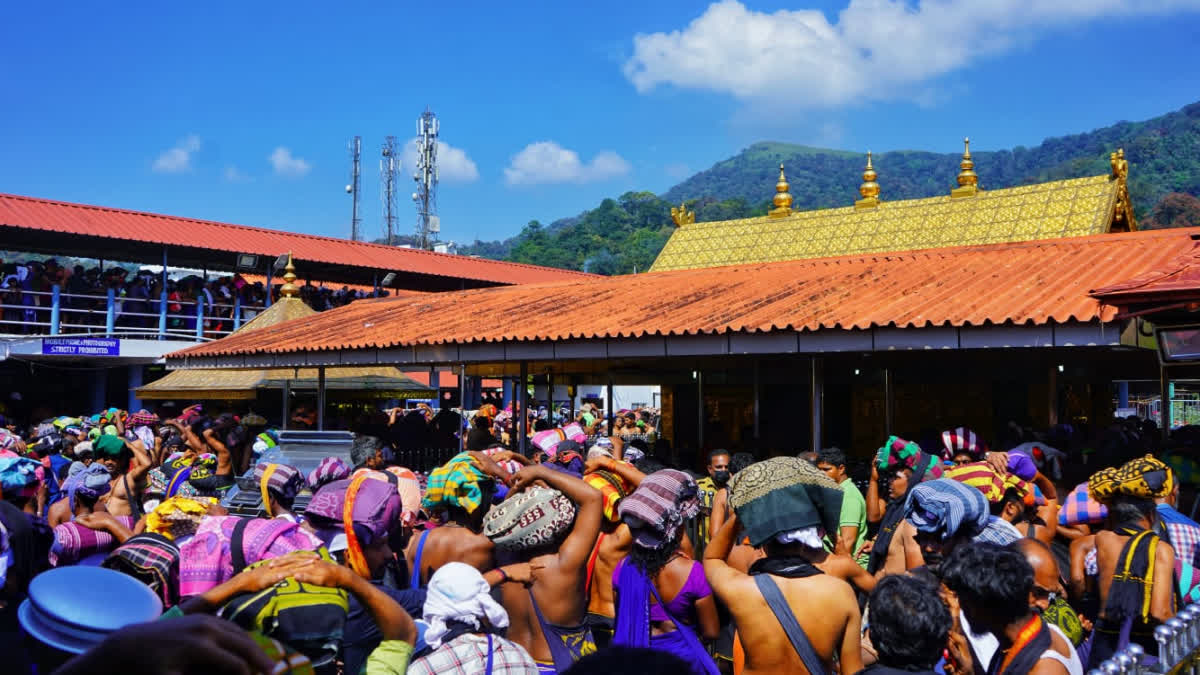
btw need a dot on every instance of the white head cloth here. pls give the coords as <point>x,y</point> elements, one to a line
<point>458,592</point>
<point>809,536</point>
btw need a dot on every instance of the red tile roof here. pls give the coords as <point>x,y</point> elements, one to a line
<point>1019,283</point>
<point>1176,280</point>
<point>98,221</point>
<point>449,380</point>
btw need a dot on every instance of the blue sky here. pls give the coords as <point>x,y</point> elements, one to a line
<point>241,112</point>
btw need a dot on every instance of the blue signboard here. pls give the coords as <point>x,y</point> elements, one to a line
<point>83,346</point>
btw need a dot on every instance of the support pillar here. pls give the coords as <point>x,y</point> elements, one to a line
<point>136,376</point>
<point>287,395</point>
<point>506,392</point>
<point>608,406</point>
<point>1123,394</point>
<point>816,395</point>
<point>200,316</point>
<point>550,397</point>
<point>1166,388</point>
<point>700,415</point>
<point>435,382</point>
<point>162,314</point>
<point>889,401</point>
<point>110,313</point>
<point>237,310</point>
<point>320,398</point>
<point>522,425</point>
<point>462,406</point>
<point>55,308</point>
<point>757,401</point>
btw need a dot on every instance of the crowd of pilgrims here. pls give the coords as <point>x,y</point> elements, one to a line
<point>116,555</point>
<point>25,293</point>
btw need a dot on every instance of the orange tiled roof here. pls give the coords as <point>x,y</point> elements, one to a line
<point>1020,283</point>
<point>98,221</point>
<point>1175,280</point>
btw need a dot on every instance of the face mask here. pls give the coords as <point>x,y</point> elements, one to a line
<point>721,477</point>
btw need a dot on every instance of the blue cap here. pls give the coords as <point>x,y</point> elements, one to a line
<point>73,608</point>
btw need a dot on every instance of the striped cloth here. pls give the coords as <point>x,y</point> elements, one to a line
<point>993,485</point>
<point>998,531</point>
<point>74,542</point>
<point>659,505</point>
<point>961,441</point>
<point>151,559</point>
<point>329,470</point>
<point>459,483</point>
<point>612,488</point>
<point>283,480</point>
<point>947,508</point>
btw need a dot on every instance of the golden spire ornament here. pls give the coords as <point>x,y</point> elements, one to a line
<point>289,289</point>
<point>783,200</point>
<point>869,188</point>
<point>968,180</point>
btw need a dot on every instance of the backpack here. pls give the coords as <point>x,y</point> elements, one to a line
<point>308,618</point>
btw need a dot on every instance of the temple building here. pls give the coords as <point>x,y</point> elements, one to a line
<point>802,329</point>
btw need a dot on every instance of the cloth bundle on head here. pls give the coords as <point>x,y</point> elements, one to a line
<point>203,476</point>
<point>263,442</point>
<point>329,470</point>
<point>1079,508</point>
<point>20,475</point>
<point>962,441</point>
<point>191,413</point>
<point>613,488</point>
<point>91,482</point>
<point>206,560</point>
<point>528,520</point>
<point>898,453</point>
<point>254,420</point>
<point>106,444</point>
<point>178,517</point>
<point>509,465</point>
<point>946,507</point>
<point>566,458</point>
<point>74,542</point>
<point>409,488</point>
<point>633,455</point>
<point>364,508</point>
<point>457,592</point>
<point>282,480</point>
<point>152,559</point>
<point>659,506</point>
<point>459,483</point>
<point>1142,478</point>
<point>143,418</point>
<point>781,495</point>
<point>993,485</point>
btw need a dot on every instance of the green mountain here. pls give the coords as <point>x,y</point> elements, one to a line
<point>625,234</point>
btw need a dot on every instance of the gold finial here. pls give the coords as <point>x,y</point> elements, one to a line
<point>783,200</point>
<point>1123,218</point>
<point>681,215</point>
<point>289,288</point>
<point>968,180</point>
<point>870,187</point>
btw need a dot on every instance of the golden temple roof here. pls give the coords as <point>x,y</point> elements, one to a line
<point>1066,208</point>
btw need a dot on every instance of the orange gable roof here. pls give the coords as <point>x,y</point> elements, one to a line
<point>1013,283</point>
<point>98,221</point>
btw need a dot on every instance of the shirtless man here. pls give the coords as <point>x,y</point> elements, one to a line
<point>558,576</point>
<point>993,585</point>
<point>824,606</point>
<point>458,539</point>
<point>128,463</point>
<point>612,546</point>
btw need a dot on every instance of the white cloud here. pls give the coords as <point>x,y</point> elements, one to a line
<point>877,49</point>
<point>232,174</point>
<point>549,162</point>
<point>453,163</point>
<point>287,165</point>
<point>179,158</point>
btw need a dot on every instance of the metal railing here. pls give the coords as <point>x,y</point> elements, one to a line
<point>56,313</point>
<point>1178,641</point>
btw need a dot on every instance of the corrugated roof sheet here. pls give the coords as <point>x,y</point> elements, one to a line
<point>1024,283</point>
<point>1066,208</point>
<point>1175,280</point>
<point>98,221</point>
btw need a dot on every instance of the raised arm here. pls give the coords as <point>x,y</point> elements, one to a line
<point>720,574</point>
<point>875,504</point>
<point>623,469</point>
<point>578,545</point>
<point>141,462</point>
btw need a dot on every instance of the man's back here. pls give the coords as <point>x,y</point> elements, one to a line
<point>445,544</point>
<point>825,608</point>
<point>613,547</point>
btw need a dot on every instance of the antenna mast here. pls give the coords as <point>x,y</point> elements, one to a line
<point>355,185</point>
<point>388,166</point>
<point>426,178</point>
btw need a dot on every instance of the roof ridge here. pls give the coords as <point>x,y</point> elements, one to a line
<point>319,237</point>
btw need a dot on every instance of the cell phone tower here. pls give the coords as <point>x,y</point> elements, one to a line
<point>389,164</point>
<point>426,178</point>
<point>355,185</point>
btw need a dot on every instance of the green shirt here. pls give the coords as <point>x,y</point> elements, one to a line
<point>854,512</point>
